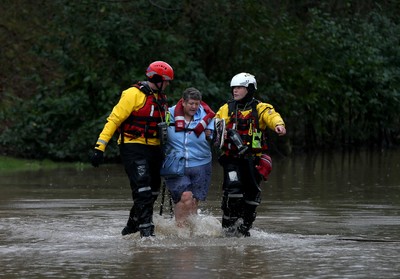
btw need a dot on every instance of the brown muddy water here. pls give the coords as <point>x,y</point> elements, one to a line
<point>322,216</point>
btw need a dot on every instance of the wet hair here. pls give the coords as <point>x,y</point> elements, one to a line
<point>191,93</point>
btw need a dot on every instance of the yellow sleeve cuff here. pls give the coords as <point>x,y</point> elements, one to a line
<point>101,145</point>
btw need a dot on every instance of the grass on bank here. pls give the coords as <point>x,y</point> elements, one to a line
<point>8,164</point>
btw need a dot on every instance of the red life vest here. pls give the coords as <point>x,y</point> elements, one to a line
<point>247,127</point>
<point>143,122</point>
<point>180,119</point>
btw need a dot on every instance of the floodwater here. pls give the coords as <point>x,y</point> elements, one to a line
<point>322,216</point>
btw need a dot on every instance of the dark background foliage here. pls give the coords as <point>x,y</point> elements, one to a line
<point>331,68</point>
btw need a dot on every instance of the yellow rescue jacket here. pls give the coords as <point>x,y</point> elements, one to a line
<point>137,113</point>
<point>250,125</point>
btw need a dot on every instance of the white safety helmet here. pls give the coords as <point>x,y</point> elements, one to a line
<point>244,79</point>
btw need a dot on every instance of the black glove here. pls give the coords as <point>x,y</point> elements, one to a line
<point>97,158</point>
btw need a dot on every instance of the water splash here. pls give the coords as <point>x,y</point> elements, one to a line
<point>200,225</point>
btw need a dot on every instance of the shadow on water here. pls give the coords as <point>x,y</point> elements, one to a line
<point>322,216</point>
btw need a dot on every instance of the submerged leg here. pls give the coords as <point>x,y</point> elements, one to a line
<point>186,206</point>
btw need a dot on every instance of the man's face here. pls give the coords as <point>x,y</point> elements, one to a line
<point>239,92</point>
<point>165,83</point>
<point>156,86</point>
<point>190,107</point>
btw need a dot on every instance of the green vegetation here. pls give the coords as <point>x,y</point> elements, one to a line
<point>10,164</point>
<point>331,68</point>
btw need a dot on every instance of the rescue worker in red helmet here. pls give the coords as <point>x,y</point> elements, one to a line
<point>137,116</point>
<point>244,160</point>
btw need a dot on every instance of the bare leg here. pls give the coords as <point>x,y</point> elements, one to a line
<point>185,207</point>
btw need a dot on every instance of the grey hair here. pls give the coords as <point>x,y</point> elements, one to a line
<point>191,93</point>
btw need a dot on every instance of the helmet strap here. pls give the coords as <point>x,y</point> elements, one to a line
<point>159,88</point>
<point>156,80</point>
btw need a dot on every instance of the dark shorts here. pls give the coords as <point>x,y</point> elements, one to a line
<point>196,179</point>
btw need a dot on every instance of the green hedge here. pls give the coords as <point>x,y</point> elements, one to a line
<point>334,78</point>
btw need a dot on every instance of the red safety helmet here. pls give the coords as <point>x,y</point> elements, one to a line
<point>159,71</point>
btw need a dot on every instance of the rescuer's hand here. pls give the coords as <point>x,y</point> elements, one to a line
<point>97,158</point>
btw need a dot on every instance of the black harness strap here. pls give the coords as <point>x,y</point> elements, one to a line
<point>233,107</point>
